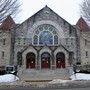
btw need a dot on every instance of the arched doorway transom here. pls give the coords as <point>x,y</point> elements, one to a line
<point>30,60</point>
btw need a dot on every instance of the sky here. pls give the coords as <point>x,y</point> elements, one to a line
<point>67,9</point>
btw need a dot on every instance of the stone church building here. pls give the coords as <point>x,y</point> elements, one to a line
<point>45,41</point>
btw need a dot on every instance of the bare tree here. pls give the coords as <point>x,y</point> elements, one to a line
<point>85,10</point>
<point>7,8</point>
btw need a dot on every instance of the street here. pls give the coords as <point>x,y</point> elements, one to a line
<point>28,88</point>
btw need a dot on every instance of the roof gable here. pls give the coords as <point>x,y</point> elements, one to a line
<point>82,24</point>
<point>45,13</point>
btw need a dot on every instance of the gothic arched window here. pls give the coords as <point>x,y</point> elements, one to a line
<point>45,35</point>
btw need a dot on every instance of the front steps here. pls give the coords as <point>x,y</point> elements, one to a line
<point>44,75</point>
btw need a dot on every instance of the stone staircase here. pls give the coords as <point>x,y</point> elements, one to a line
<point>44,75</point>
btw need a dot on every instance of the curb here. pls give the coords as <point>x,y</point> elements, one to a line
<point>72,84</point>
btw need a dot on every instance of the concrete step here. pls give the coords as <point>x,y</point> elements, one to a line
<point>45,72</point>
<point>44,75</point>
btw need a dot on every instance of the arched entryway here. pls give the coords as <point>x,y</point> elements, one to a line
<point>30,60</point>
<point>45,60</point>
<point>60,60</point>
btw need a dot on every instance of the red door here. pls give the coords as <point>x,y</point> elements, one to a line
<point>30,63</point>
<point>45,63</point>
<point>45,60</point>
<point>60,63</point>
<point>60,60</point>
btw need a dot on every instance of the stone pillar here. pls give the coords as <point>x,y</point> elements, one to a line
<point>37,61</point>
<point>53,61</point>
<point>70,69</point>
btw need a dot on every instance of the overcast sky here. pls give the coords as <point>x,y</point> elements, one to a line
<point>67,9</point>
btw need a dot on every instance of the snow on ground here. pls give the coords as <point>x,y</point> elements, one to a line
<point>8,78</point>
<point>59,81</point>
<point>80,76</point>
<point>77,76</point>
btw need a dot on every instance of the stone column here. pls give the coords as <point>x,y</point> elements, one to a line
<point>37,61</point>
<point>53,60</point>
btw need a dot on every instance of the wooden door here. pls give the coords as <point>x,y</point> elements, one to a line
<point>45,63</point>
<point>30,60</point>
<point>60,63</point>
<point>60,60</point>
<point>45,60</point>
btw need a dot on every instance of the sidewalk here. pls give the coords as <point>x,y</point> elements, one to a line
<point>45,84</point>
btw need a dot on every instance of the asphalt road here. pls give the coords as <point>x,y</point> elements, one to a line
<point>27,88</point>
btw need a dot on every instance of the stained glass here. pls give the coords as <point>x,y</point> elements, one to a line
<point>37,32</point>
<point>40,28</point>
<point>45,54</point>
<point>45,38</point>
<point>54,32</point>
<point>35,39</point>
<point>45,35</point>
<point>50,28</point>
<point>55,39</point>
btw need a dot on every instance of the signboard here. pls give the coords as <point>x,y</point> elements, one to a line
<point>10,69</point>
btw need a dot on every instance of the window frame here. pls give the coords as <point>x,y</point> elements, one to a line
<point>51,31</point>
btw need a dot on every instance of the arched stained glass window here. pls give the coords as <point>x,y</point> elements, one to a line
<point>35,39</point>
<point>45,38</point>
<point>45,35</point>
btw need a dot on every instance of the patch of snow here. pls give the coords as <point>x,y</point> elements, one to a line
<point>13,72</point>
<point>8,78</point>
<point>77,76</point>
<point>59,81</point>
<point>80,76</point>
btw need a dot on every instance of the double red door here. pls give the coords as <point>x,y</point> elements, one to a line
<point>45,60</point>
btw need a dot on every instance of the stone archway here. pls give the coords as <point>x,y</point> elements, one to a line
<point>60,60</point>
<point>30,60</point>
<point>45,60</point>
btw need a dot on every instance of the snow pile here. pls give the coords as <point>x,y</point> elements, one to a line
<point>77,76</point>
<point>8,78</point>
<point>80,76</point>
<point>59,81</point>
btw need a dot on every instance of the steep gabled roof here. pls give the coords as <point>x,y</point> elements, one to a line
<point>47,10</point>
<point>82,24</point>
<point>7,23</point>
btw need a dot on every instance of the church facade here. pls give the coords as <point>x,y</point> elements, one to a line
<point>44,41</point>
